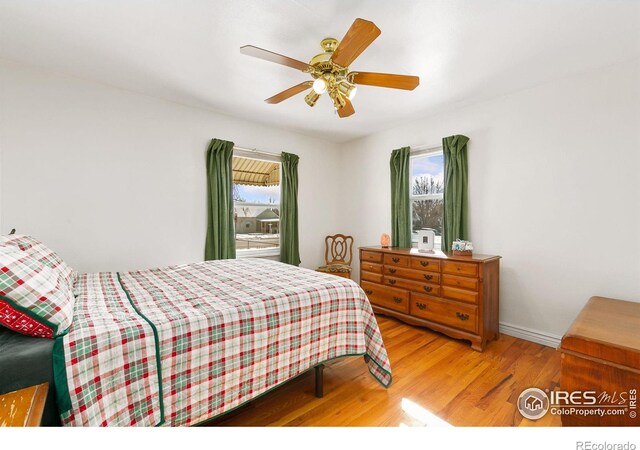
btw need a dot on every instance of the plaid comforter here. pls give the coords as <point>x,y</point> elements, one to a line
<point>180,345</point>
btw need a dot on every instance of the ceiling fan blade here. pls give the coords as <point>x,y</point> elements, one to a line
<point>387,80</point>
<point>273,57</point>
<point>361,34</point>
<point>347,110</point>
<point>289,92</point>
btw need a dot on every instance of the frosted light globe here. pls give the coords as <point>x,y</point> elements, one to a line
<point>320,86</point>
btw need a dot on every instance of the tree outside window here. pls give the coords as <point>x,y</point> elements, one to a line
<point>427,194</point>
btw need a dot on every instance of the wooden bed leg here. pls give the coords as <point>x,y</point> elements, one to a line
<point>319,382</point>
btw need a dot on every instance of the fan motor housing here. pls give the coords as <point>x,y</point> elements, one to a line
<point>322,63</point>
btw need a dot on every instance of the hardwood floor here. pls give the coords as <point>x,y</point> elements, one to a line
<point>436,381</point>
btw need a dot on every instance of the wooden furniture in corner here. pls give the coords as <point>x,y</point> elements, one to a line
<point>455,295</point>
<point>338,255</point>
<point>24,407</point>
<point>601,352</point>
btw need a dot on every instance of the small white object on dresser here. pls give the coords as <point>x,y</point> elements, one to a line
<point>426,239</point>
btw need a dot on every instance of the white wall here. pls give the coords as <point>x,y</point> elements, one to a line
<point>114,180</point>
<point>554,189</point>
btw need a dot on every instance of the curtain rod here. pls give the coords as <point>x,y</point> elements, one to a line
<point>424,148</point>
<point>253,150</point>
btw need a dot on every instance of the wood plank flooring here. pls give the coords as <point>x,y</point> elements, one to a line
<point>437,381</point>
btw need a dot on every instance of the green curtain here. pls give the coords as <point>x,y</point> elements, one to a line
<point>221,239</point>
<point>455,190</point>
<point>400,211</point>
<point>289,247</point>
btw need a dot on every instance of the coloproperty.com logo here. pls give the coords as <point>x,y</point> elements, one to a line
<point>535,403</point>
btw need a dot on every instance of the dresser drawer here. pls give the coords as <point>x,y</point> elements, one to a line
<point>370,276</point>
<point>460,294</point>
<point>387,297</point>
<point>371,267</point>
<point>431,265</point>
<point>396,260</point>
<point>375,257</point>
<point>460,268</point>
<point>415,286</point>
<point>417,275</point>
<point>460,282</point>
<point>457,315</point>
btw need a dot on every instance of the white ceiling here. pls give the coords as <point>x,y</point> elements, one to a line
<point>188,51</point>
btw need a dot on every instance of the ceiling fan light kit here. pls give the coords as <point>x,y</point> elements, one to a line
<point>348,90</point>
<point>320,86</point>
<point>330,69</point>
<point>311,98</point>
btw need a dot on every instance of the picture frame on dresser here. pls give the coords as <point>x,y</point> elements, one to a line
<point>458,296</point>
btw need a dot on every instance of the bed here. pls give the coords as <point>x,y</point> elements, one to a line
<point>184,344</point>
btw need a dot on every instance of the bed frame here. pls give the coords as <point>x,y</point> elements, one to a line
<point>319,380</point>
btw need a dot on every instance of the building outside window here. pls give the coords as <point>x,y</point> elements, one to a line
<point>426,193</point>
<point>256,204</point>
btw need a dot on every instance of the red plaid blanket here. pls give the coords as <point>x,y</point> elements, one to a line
<point>183,344</point>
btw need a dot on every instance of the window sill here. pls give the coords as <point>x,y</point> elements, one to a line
<point>258,253</point>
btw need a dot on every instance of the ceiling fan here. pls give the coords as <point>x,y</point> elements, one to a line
<point>330,69</point>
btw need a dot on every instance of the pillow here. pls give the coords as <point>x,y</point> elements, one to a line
<point>42,253</point>
<point>34,299</point>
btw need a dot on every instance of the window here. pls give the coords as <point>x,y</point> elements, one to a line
<point>426,194</point>
<point>256,204</point>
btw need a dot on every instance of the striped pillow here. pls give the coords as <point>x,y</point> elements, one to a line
<point>34,298</point>
<point>42,253</point>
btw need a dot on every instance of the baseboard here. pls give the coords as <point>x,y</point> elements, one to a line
<point>550,340</point>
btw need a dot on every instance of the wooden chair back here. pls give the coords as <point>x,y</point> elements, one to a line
<point>338,249</point>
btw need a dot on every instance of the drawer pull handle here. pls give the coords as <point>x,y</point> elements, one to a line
<point>424,263</point>
<point>392,282</point>
<point>462,317</point>
<point>368,291</point>
<point>397,299</point>
<point>421,306</point>
<point>392,270</point>
<point>395,260</point>
<point>428,288</point>
<point>428,277</point>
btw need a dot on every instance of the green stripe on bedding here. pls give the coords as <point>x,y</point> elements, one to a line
<point>157,346</point>
<point>60,376</point>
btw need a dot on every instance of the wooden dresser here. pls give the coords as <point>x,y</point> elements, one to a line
<point>455,295</point>
<point>601,354</point>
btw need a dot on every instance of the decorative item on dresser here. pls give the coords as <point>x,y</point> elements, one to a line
<point>601,353</point>
<point>455,295</point>
<point>426,240</point>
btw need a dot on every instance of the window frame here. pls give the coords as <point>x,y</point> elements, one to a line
<point>261,252</point>
<point>428,152</point>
